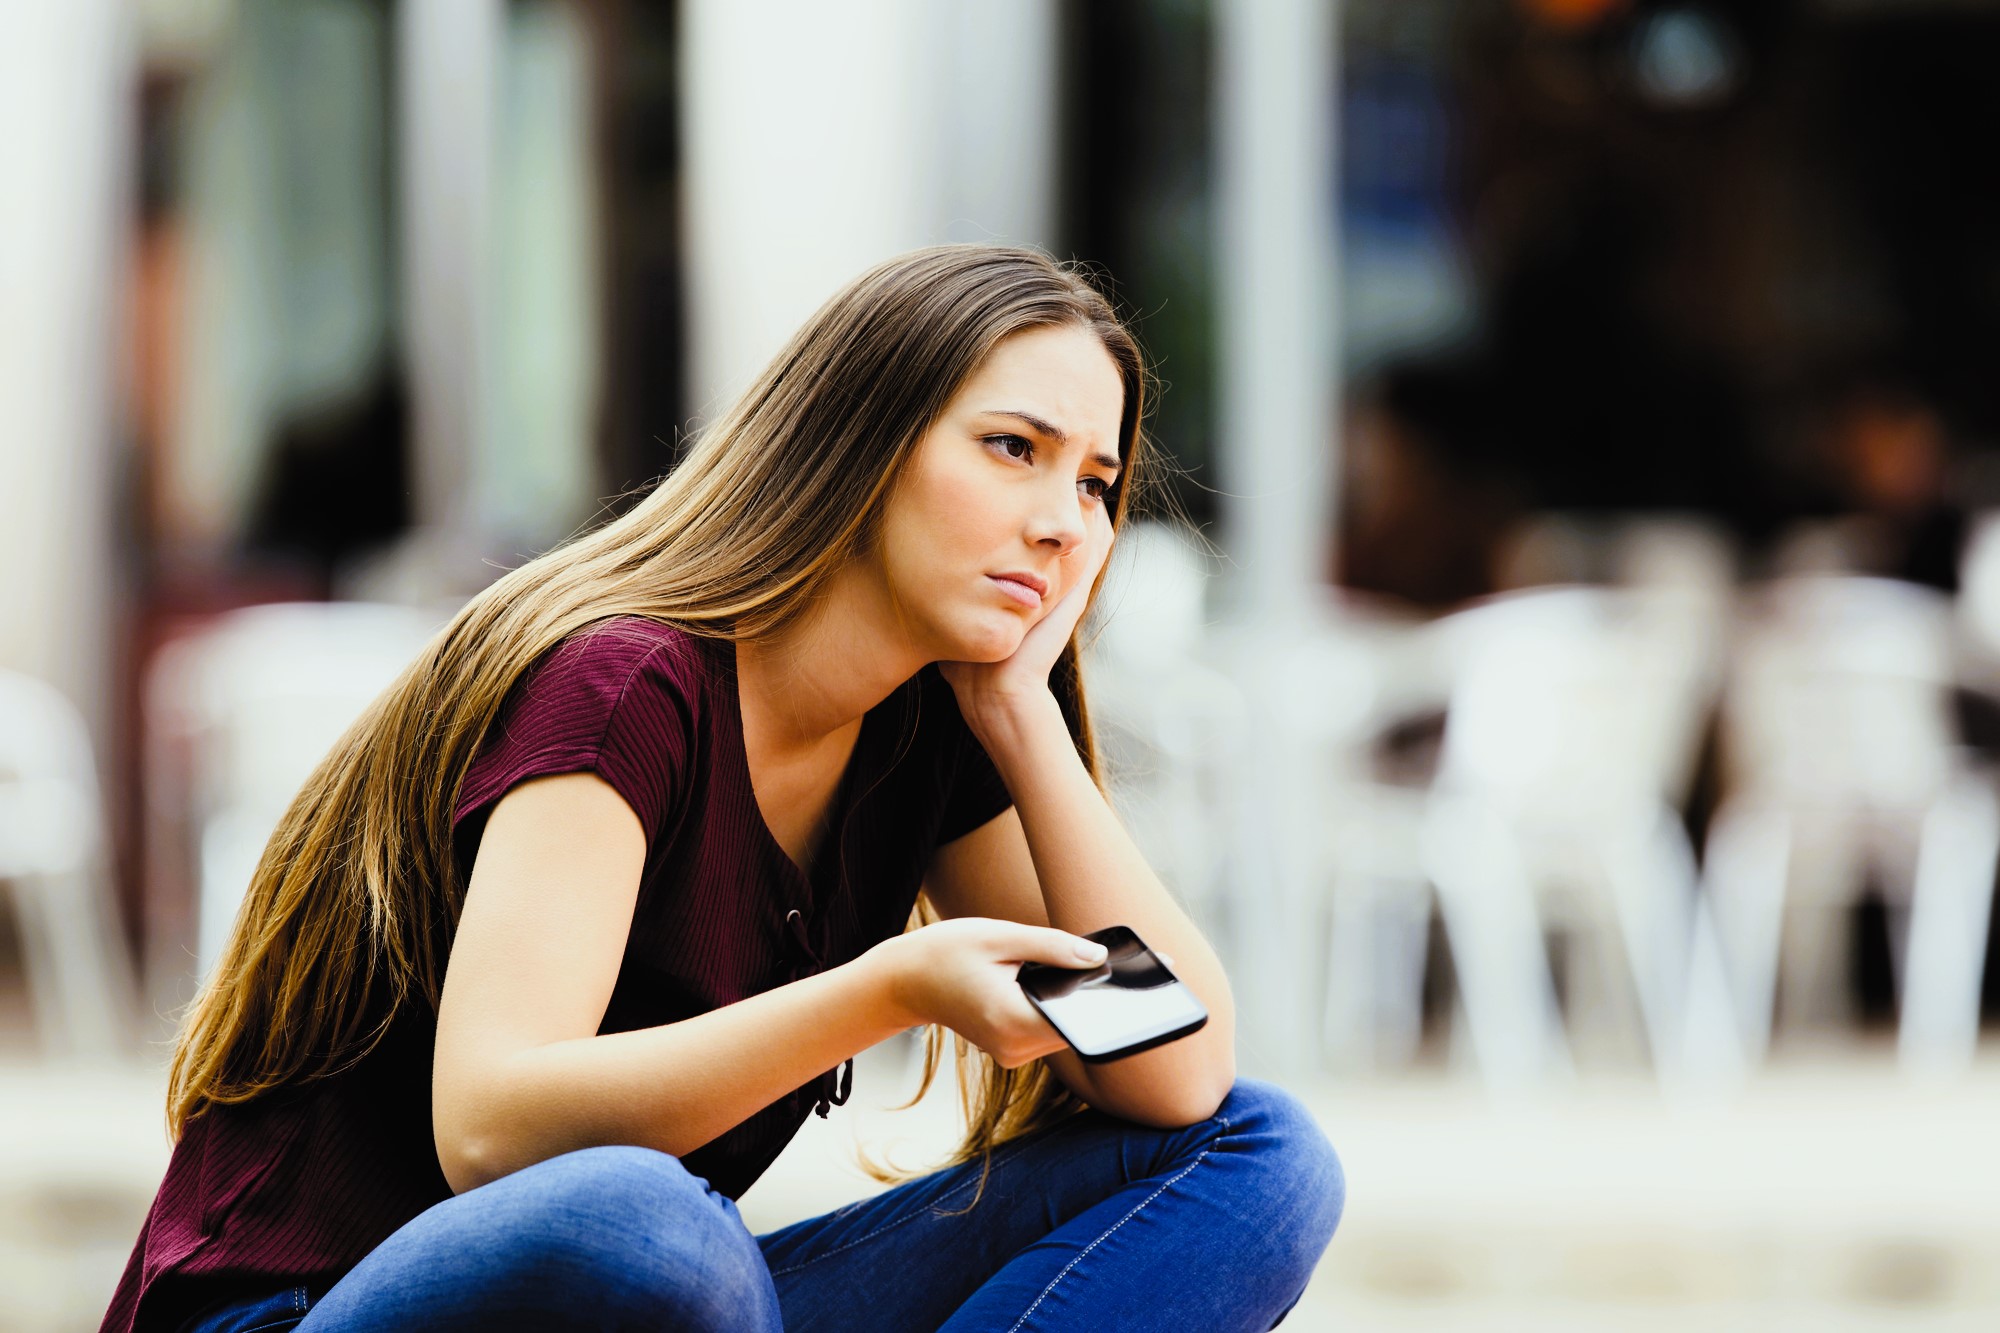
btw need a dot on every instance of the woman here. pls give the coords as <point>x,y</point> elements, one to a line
<point>552,955</point>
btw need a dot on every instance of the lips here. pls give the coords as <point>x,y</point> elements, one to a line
<point>1034,581</point>
<point>1019,587</point>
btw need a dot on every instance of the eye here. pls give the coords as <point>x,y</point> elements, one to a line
<point>1102,491</point>
<point>1007,443</point>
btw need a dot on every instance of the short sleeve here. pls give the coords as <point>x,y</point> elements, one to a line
<point>976,793</point>
<point>615,700</point>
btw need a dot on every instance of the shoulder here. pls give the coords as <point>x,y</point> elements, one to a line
<point>625,678</point>
<point>621,697</point>
<point>608,657</point>
<point>618,672</point>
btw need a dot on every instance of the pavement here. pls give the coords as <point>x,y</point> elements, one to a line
<point>1828,1195</point>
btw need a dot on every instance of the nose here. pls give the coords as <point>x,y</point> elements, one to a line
<point>1058,522</point>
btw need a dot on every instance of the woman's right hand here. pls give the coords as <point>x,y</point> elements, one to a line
<point>962,973</point>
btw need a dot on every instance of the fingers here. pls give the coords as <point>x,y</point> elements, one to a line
<point>1045,944</point>
<point>1032,1038</point>
<point>1015,1058</point>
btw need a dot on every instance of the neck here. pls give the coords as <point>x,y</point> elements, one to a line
<point>818,676</point>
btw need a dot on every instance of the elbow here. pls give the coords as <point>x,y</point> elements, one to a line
<point>469,1151</point>
<point>1193,1099</point>
<point>466,1160</point>
<point>1179,1112</point>
<point>476,1124</point>
<point>1209,1089</point>
<point>1203,1086</point>
<point>1203,1101</point>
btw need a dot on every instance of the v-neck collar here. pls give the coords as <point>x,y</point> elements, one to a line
<point>838,808</point>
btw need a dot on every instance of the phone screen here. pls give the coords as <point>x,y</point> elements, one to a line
<point>1127,1003</point>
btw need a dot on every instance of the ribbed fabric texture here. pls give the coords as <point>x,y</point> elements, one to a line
<point>299,1185</point>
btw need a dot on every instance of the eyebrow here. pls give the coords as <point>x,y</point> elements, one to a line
<point>1054,432</point>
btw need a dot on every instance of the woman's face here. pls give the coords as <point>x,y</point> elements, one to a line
<point>1010,480</point>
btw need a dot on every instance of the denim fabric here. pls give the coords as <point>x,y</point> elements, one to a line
<point>262,1314</point>
<point>1093,1224</point>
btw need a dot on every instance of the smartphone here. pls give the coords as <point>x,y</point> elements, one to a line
<point>1130,1002</point>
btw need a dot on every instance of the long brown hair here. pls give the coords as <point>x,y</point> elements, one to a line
<point>352,907</point>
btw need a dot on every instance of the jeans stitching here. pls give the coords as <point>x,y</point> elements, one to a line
<point>998,1162</point>
<point>1165,1185</point>
<point>287,1320</point>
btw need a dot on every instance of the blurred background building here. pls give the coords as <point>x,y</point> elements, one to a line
<point>1573,709</point>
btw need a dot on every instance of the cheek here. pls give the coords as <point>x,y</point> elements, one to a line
<point>953,513</point>
<point>958,499</point>
<point>927,539</point>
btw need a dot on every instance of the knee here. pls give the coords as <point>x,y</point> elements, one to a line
<point>1301,1187</point>
<point>639,1233</point>
<point>621,1180</point>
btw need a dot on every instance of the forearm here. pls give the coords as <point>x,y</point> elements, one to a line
<point>1092,876</point>
<point>673,1087</point>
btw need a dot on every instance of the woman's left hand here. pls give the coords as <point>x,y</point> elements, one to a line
<point>986,690</point>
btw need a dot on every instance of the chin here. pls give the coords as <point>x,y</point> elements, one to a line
<point>991,640</point>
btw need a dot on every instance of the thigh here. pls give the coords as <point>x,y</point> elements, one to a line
<point>906,1258</point>
<point>605,1238</point>
<point>1136,1214</point>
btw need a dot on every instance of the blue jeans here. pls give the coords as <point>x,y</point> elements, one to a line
<point>1092,1224</point>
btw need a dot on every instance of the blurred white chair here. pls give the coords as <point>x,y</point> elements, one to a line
<point>1311,850</point>
<point>1979,597</point>
<point>1382,896</point>
<point>1378,667</point>
<point>1571,737</point>
<point>1228,752</point>
<point>244,711</point>
<point>1662,551</point>
<point>53,856</point>
<point>1683,553</point>
<point>1312,688</point>
<point>1168,724</point>
<point>1841,759</point>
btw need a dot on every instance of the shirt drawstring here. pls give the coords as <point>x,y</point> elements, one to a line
<point>832,1087</point>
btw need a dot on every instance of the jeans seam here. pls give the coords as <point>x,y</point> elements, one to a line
<point>954,1192</point>
<point>1077,1258</point>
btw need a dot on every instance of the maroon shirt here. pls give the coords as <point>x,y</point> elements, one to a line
<point>300,1184</point>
